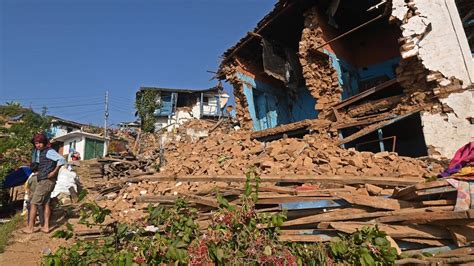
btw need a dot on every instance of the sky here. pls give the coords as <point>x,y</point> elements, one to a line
<point>65,54</point>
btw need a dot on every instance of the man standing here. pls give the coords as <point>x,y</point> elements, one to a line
<point>49,163</point>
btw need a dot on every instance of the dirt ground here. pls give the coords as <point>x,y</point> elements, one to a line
<point>28,249</point>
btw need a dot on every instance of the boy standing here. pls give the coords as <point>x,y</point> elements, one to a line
<point>49,163</point>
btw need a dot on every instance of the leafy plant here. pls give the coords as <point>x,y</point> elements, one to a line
<point>146,104</point>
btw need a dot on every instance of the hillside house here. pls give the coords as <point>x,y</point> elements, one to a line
<point>384,75</point>
<point>176,106</point>
<point>88,145</point>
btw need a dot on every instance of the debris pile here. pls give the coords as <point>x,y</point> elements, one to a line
<point>421,217</point>
<point>232,154</point>
<point>117,168</point>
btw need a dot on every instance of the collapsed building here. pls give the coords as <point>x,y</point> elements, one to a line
<point>173,107</point>
<point>387,75</point>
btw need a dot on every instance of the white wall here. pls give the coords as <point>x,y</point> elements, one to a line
<point>80,145</point>
<point>444,48</point>
<point>449,132</point>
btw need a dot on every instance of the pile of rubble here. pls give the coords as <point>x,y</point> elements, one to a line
<point>232,154</point>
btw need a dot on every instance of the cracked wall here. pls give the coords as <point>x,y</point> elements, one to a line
<point>321,77</point>
<point>435,64</point>
<point>241,104</point>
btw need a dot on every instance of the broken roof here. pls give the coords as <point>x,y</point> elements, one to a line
<point>285,22</point>
<point>213,89</point>
<point>58,120</point>
<point>280,7</point>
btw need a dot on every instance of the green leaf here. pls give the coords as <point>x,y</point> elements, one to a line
<point>57,261</point>
<point>267,251</point>
<point>366,258</point>
<point>219,254</point>
<point>382,242</point>
<point>82,195</point>
<point>69,226</point>
<point>222,201</point>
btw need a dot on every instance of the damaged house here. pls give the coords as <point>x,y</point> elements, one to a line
<point>376,75</point>
<point>166,108</point>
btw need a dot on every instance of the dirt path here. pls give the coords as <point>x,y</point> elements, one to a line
<point>26,249</point>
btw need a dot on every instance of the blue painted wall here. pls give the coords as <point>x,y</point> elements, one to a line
<point>303,106</point>
<point>350,76</point>
<point>271,106</point>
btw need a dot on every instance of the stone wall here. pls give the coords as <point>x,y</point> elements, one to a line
<point>321,77</point>
<point>435,70</point>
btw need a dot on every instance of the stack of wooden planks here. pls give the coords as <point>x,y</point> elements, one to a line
<point>123,167</point>
<point>418,216</point>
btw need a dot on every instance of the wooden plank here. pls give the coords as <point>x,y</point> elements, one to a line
<point>441,202</point>
<point>211,202</point>
<point>362,122</point>
<point>347,180</point>
<point>342,215</point>
<point>171,199</point>
<point>428,242</point>
<point>108,159</point>
<point>278,189</point>
<point>323,192</point>
<point>396,231</point>
<point>371,128</point>
<point>457,260</point>
<point>430,192</point>
<point>463,235</point>
<point>304,238</point>
<point>425,185</point>
<point>364,94</point>
<point>456,252</point>
<point>432,250</point>
<point>375,202</point>
<point>422,218</point>
<point>333,216</point>
<point>411,261</point>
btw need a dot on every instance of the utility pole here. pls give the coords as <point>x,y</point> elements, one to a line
<point>106,117</point>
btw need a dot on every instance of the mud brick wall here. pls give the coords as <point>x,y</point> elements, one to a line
<point>321,78</point>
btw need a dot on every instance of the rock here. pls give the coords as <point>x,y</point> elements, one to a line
<point>282,157</point>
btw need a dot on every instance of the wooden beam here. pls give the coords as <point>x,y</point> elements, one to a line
<point>346,180</point>
<point>425,185</point>
<point>364,94</point>
<point>342,215</point>
<point>374,202</point>
<point>396,231</point>
<point>373,127</point>
<point>423,218</point>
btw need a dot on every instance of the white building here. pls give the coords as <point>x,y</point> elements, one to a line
<point>60,127</point>
<point>88,145</point>
<point>177,106</point>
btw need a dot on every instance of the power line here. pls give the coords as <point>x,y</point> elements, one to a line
<point>122,102</point>
<point>77,112</point>
<point>122,107</point>
<point>48,98</point>
<point>67,106</point>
